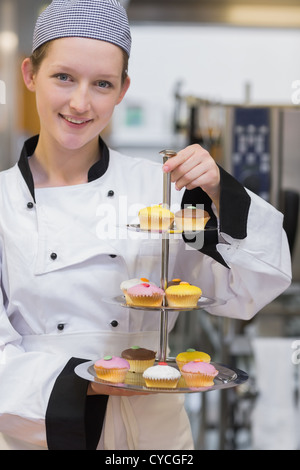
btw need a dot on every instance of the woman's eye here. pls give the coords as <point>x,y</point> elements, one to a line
<point>103,84</point>
<point>64,77</point>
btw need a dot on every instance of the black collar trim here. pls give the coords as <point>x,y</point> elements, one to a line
<point>96,171</point>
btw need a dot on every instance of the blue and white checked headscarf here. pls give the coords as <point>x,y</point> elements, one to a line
<point>105,20</point>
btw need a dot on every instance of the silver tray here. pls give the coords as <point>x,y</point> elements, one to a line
<point>172,229</point>
<point>226,378</point>
<point>203,302</point>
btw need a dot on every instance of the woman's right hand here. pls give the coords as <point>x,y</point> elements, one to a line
<point>95,388</point>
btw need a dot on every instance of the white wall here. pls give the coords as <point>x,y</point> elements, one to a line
<point>213,63</point>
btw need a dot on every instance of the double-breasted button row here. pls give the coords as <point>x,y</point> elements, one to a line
<point>53,256</point>
<point>61,326</point>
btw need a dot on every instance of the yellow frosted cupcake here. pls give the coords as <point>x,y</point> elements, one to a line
<point>183,295</point>
<point>155,217</point>
<point>191,355</point>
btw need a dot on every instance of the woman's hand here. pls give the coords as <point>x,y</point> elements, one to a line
<point>193,167</point>
<point>95,388</point>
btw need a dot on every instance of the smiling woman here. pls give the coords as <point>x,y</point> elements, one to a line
<point>56,269</point>
<point>77,82</point>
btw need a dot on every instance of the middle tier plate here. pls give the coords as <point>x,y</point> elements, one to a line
<point>203,303</point>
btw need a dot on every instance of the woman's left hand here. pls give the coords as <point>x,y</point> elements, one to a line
<point>193,167</point>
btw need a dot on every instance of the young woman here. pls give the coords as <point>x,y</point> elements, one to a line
<point>64,251</point>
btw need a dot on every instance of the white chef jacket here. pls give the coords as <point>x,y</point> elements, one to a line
<point>64,253</point>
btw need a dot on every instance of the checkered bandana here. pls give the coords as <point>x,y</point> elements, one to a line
<point>105,20</point>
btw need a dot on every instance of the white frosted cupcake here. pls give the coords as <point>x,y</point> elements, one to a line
<point>161,376</point>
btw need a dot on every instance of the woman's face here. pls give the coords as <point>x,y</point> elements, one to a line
<point>77,86</point>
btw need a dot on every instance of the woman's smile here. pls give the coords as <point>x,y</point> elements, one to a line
<point>75,122</point>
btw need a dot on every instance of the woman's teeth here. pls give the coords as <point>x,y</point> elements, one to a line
<point>75,121</point>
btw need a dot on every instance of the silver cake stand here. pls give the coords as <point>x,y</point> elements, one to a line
<point>226,378</point>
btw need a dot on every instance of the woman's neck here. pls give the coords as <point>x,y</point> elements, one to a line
<point>52,166</point>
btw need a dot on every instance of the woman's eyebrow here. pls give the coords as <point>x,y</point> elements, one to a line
<point>73,70</point>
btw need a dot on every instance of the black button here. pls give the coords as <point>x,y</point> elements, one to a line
<point>30,205</point>
<point>53,256</point>
<point>110,193</point>
<point>113,256</point>
<point>114,323</point>
<point>60,326</point>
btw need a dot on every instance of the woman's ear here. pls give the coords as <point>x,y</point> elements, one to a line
<point>125,87</point>
<point>28,75</point>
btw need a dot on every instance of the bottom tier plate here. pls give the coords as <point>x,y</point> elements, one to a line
<point>226,378</point>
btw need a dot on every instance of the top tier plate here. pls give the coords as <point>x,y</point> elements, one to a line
<point>171,230</point>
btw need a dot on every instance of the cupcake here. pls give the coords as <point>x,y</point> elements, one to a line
<point>155,217</point>
<point>191,219</point>
<point>125,285</point>
<point>183,295</point>
<point>191,355</point>
<point>111,369</point>
<point>161,376</point>
<point>139,358</point>
<point>145,295</point>
<point>174,282</point>
<point>199,374</point>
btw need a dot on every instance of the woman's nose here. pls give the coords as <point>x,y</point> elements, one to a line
<point>80,99</point>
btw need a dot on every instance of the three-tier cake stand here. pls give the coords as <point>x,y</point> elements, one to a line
<point>227,377</point>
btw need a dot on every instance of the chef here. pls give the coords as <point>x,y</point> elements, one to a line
<point>65,248</point>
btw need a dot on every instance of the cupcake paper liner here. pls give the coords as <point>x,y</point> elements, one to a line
<point>197,380</point>
<point>139,366</point>
<point>111,375</point>
<point>182,300</point>
<point>154,300</point>
<point>161,383</point>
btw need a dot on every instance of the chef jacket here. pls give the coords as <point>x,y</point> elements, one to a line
<point>64,253</point>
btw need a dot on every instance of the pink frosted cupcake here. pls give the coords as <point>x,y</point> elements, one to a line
<point>146,295</point>
<point>199,374</point>
<point>125,285</point>
<point>112,369</point>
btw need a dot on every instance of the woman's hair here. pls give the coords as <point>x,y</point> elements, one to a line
<point>40,54</point>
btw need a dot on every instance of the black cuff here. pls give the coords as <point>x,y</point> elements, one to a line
<point>74,420</point>
<point>234,209</point>
<point>234,206</point>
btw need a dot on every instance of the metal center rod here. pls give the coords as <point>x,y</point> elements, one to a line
<point>165,259</point>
